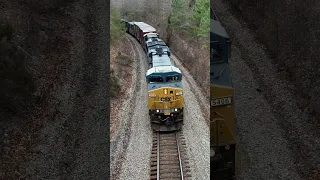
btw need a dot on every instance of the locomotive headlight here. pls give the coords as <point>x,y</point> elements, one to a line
<point>152,95</point>
<point>179,93</point>
<point>212,152</point>
<point>165,91</point>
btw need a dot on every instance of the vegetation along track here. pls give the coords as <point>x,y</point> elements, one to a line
<point>168,157</point>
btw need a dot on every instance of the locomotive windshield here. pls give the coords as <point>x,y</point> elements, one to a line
<point>156,79</point>
<point>216,52</point>
<point>162,79</point>
<point>220,45</point>
<point>173,79</point>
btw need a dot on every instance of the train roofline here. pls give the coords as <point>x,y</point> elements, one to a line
<point>145,27</point>
<point>155,70</point>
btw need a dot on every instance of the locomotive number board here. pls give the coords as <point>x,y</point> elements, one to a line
<point>221,101</point>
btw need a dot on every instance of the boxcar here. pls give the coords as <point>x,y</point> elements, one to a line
<point>141,29</point>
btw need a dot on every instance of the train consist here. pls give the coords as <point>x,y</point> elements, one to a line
<point>165,91</point>
<point>222,121</point>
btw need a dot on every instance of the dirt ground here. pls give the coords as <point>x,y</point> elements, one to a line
<point>64,133</point>
<point>121,62</point>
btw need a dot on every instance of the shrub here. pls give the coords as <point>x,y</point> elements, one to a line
<point>114,84</point>
<point>196,24</point>
<point>117,29</point>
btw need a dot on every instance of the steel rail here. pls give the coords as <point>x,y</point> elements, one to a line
<point>180,162</point>
<point>158,156</point>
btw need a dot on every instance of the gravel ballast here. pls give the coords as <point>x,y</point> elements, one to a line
<point>137,159</point>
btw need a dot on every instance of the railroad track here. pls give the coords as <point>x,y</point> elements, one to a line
<point>168,158</point>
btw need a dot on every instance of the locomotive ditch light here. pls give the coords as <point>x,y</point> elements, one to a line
<point>158,110</point>
<point>212,152</point>
<point>175,109</point>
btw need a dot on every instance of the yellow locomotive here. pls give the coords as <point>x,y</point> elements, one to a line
<point>165,100</point>
<point>222,121</point>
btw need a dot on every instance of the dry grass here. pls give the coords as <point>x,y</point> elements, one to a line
<point>120,66</point>
<point>194,58</point>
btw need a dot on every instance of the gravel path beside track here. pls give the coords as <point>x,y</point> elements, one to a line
<point>137,158</point>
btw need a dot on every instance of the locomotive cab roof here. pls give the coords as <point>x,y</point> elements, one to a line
<point>163,60</point>
<point>163,70</point>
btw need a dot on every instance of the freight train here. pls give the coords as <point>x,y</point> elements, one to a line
<point>165,90</point>
<point>222,120</point>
